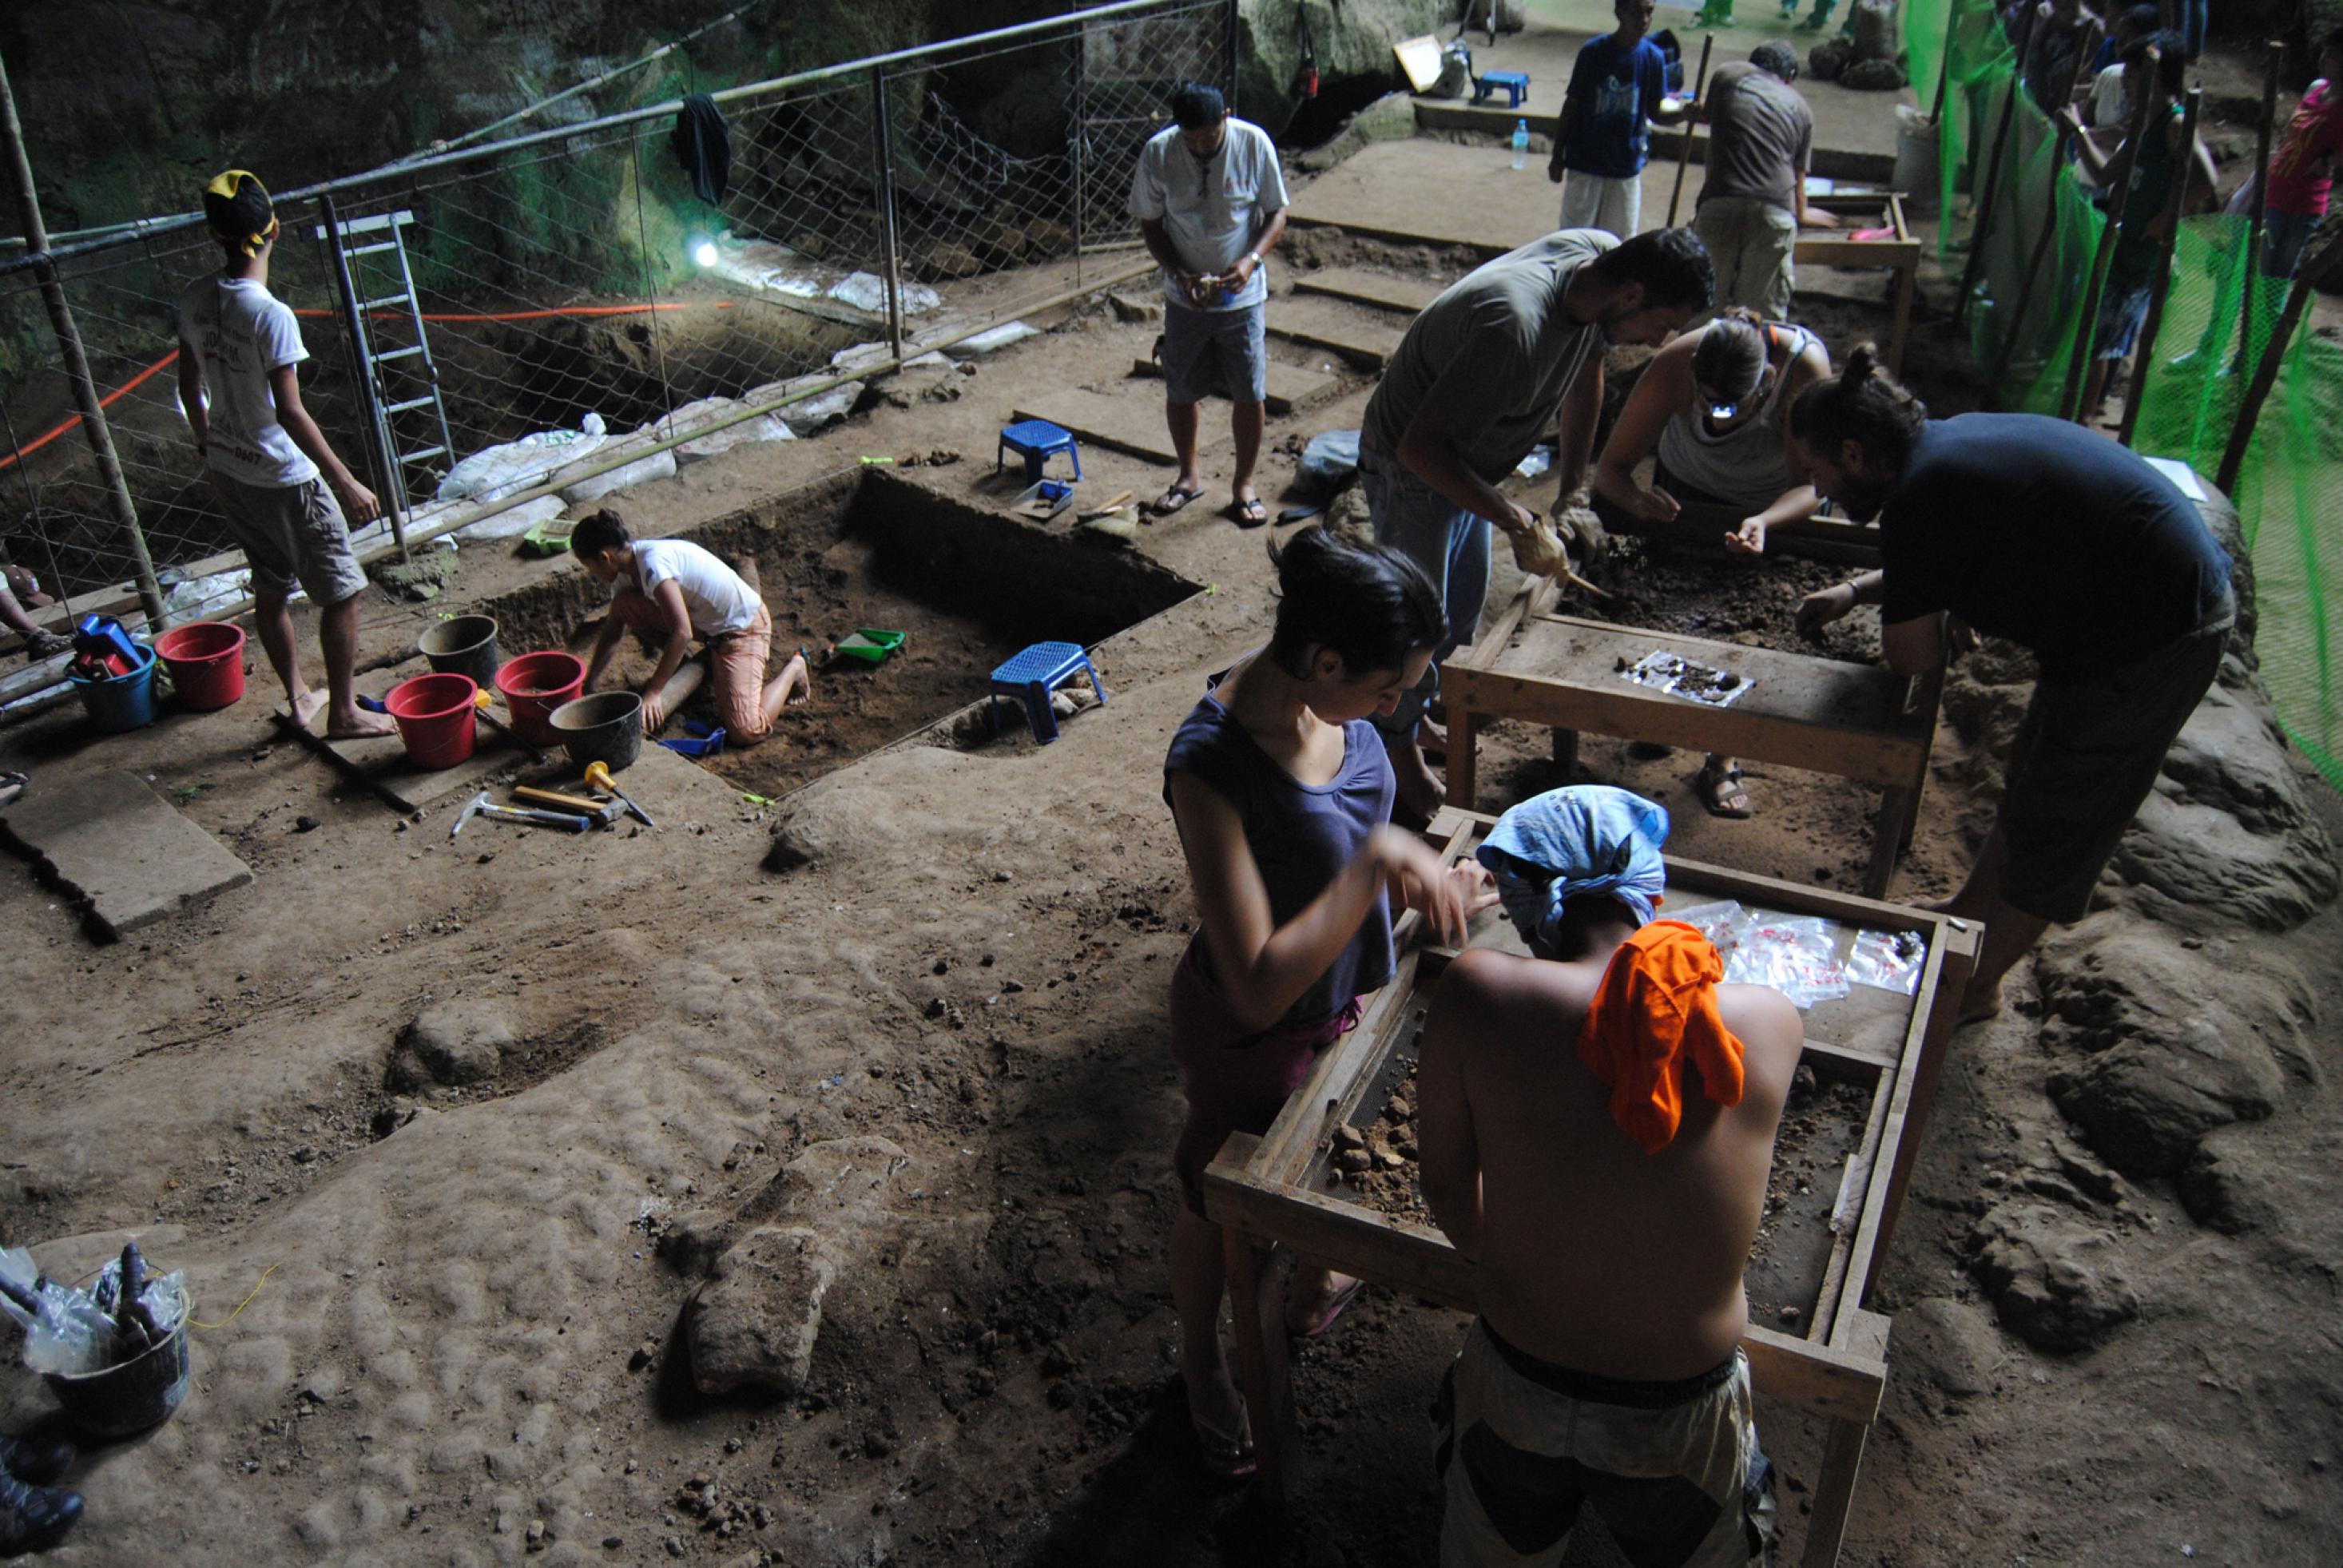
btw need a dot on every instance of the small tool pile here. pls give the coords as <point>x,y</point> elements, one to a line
<point>560,809</point>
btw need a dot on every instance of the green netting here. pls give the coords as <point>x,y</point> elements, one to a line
<point>2289,492</point>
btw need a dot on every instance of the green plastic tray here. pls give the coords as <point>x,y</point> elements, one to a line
<point>870,644</point>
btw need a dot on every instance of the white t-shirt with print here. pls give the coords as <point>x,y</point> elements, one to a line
<point>1210,208</point>
<point>719,599</point>
<point>239,332</point>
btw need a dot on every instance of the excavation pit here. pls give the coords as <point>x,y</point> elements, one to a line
<point>968,585</point>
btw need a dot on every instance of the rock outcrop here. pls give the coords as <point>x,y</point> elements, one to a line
<point>2174,1037</point>
<point>2055,1281</point>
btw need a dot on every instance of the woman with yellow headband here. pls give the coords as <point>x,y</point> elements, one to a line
<point>285,492</point>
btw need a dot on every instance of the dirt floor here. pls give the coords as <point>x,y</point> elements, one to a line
<point>465,1345</point>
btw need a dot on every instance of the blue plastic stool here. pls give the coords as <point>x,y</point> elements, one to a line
<point>1516,86</point>
<point>1034,440</point>
<point>1035,673</point>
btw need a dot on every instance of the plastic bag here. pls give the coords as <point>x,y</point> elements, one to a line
<point>1329,462</point>
<point>71,1330</point>
<point>1796,955</point>
<point>1539,460</point>
<point>1889,960</point>
<point>1717,922</point>
<point>497,471</point>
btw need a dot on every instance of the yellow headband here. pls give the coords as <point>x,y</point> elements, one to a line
<point>227,186</point>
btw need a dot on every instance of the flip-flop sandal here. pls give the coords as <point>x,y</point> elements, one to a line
<point>1720,788</point>
<point>1227,1458</point>
<point>1250,514</point>
<point>1171,500</point>
<point>1334,1308</point>
<point>13,786</point>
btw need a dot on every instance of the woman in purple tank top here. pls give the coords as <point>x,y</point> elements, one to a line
<point>1282,794</point>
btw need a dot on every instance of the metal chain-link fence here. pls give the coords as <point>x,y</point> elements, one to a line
<point>575,302</point>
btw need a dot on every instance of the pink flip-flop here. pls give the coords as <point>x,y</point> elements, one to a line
<point>1334,1308</point>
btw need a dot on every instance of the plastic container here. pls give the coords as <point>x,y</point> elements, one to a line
<point>698,740</point>
<point>436,717</point>
<point>205,658</point>
<point>534,685</point>
<point>606,728</point>
<point>870,644</point>
<point>464,645</point>
<point>134,1395</point>
<point>1919,169</point>
<point>125,701</point>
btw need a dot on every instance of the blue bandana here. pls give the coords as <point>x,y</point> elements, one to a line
<point>1590,839</point>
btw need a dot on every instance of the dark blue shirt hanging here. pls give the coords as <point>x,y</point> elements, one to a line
<point>704,147</point>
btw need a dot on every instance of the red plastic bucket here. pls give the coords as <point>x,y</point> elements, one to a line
<point>435,717</point>
<point>534,685</point>
<point>205,658</point>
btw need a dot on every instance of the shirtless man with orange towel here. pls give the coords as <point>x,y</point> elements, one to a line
<point>1597,1124</point>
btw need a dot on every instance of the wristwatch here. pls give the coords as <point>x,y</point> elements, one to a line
<point>1253,256</point>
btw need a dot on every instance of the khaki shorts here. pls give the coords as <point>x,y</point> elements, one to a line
<point>1673,1469</point>
<point>292,533</point>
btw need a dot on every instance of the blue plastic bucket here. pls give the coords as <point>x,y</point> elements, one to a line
<point>123,702</point>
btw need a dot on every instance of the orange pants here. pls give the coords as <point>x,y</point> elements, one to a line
<point>736,664</point>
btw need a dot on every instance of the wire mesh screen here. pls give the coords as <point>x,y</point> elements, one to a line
<point>2030,284</point>
<point>483,326</point>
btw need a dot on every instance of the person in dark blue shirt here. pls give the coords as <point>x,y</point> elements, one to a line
<point>1618,90</point>
<point>2036,529</point>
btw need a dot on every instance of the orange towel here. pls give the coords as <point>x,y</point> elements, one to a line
<point>1655,1007</point>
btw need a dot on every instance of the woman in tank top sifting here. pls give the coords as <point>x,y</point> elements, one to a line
<point>1282,794</point>
<point>1710,409</point>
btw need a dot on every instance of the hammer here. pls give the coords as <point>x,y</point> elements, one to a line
<point>480,806</point>
<point>599,774</point>
<point>600,813</point>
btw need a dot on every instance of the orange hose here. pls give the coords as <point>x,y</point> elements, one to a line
<point>111,398</point>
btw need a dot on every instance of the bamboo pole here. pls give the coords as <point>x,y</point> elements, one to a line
<point>2312,271</point>
<point>2044,234</point>
<point>2087,324</point>
<point>1983,225</point>
<point>94,426</point>
<point>2159,282</point>
<point>1684,153</point>
<point>2261,202</point>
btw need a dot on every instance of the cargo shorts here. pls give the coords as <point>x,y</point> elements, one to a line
<point>292,533</point>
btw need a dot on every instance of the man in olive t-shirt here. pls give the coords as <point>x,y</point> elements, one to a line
<point>1507,352</point>
<point>1752,192</point>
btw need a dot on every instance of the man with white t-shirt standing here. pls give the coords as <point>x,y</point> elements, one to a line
<point>284,490</point>
<point>1210,199</point>
<point>674,589</point>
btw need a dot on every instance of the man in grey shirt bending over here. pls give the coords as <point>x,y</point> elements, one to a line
<point>1752,192</point>
<point>1509,351</point>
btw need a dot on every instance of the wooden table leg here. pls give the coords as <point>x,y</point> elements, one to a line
<point>1897,809</point>
<point>1907,280</point>
<point>1835,1491</point>
<point>1565,753</point>
<point>1261,1362</point>
<point>1464,766</point>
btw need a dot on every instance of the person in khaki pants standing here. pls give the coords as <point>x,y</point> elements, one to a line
<point>285,491</point>
<point>1752,192</point>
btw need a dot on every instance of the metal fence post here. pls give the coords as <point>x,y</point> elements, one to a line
<point>884,139</point>
<point>93,414</point>
<point>1231,46</point>
<point>1078,141</point>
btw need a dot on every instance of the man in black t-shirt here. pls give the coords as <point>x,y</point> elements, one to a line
<point>2037,530</point>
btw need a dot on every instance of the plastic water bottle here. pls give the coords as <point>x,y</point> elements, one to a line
<point>1521,144</point>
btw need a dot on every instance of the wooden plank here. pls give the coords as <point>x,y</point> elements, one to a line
<point>1417,1260</point>
<point>1854,1183</point>
<point>383,765</point>
<point>1128,425</point>
<point>1945,981</point>
<point>1360,286</point>
<point>1835,1491</point>
<point>1801,711</point>
<point>1261,1362</point>
<point>1288,390</point>
<point>1347,330</point>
